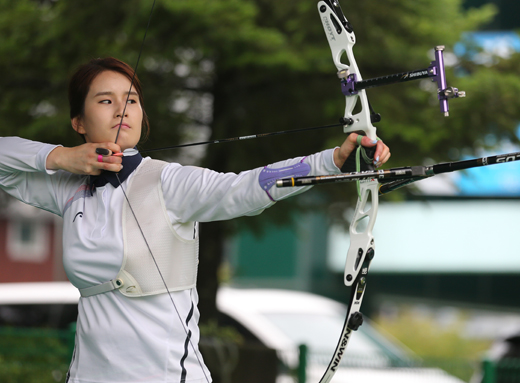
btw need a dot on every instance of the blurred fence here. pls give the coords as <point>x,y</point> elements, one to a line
<point>501,371</point>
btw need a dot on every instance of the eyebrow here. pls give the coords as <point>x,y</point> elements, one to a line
<point>107,93</point>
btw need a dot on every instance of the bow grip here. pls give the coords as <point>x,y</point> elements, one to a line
<point>350,163</point>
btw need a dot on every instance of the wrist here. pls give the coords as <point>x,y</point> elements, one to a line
<point>53,159</point>
<point>339,159</point>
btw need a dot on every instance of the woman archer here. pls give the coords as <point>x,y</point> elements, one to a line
<point>127,330</point>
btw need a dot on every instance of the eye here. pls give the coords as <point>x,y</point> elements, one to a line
<point>105,101</point>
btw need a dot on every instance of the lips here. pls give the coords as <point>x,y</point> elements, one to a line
<point>123,126</point>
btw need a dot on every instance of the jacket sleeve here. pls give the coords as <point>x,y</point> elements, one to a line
<point>24,176</point>
<point>197,194</point>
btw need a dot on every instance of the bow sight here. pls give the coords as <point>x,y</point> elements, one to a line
<point>351,86</point>
<point>351,83</point>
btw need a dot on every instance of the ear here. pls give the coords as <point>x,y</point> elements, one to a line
<point>77,125</point>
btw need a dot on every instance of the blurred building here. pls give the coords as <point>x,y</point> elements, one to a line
<point>30,244</point>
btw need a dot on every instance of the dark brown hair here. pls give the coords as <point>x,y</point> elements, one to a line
<point>79,85</point>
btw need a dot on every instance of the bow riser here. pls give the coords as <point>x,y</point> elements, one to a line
<point>362,224</point>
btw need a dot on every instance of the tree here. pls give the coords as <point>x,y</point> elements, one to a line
<point>225,68</point>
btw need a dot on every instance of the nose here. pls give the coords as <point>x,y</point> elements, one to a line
<point>123,112</point>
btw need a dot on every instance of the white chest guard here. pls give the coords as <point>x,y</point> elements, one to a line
<point>176,257</point>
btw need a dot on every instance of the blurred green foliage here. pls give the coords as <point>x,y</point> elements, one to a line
<point>227,68</point>
<point>34,355</point>
<point>438,343</point>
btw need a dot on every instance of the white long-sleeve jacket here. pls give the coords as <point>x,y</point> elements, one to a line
<point>121,339</point>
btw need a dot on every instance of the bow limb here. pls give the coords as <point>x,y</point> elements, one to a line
<point>359,256</point>
<point>341,39</point>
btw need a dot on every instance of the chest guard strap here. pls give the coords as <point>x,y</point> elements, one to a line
<point>176,257</point>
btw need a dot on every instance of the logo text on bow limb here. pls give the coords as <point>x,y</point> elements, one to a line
<point>341,349</point>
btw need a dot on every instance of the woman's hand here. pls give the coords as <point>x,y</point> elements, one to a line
<point>381,155</point>
<point>83,159</point>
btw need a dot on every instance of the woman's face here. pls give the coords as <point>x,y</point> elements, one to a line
<point>104,106</point>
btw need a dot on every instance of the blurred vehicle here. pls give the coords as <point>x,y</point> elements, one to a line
<point>506,347</point>
<point>38,304</point>
<point>279,319</point>
<point>283,320</point>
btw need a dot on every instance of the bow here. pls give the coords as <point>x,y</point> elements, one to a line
<point>341,38</point>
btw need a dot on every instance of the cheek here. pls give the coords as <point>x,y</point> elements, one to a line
<point>140,117</point>
<point>94,119</point>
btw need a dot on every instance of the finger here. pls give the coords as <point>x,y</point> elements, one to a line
<point>379,154</point>
<point>103,151</point>
<point>368,142</point>
<point>385,157</point>
<point>352,137</point>
<point>113,159</point>
<point>112,163</point>
<point>114,148</point>
<point>358,139</point>
<point>102,162</point>
<point>115,168</point>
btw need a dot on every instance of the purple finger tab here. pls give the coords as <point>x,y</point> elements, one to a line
<point>268,176</point>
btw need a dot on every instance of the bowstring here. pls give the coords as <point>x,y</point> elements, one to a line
<point>162,278</point>
<point>135,71</point>
<point>132,210</point>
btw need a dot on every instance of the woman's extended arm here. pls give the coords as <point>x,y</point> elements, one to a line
<point>25,176</point>
<point>196,194</point>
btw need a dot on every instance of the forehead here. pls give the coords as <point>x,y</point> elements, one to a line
<point>109,81</point>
